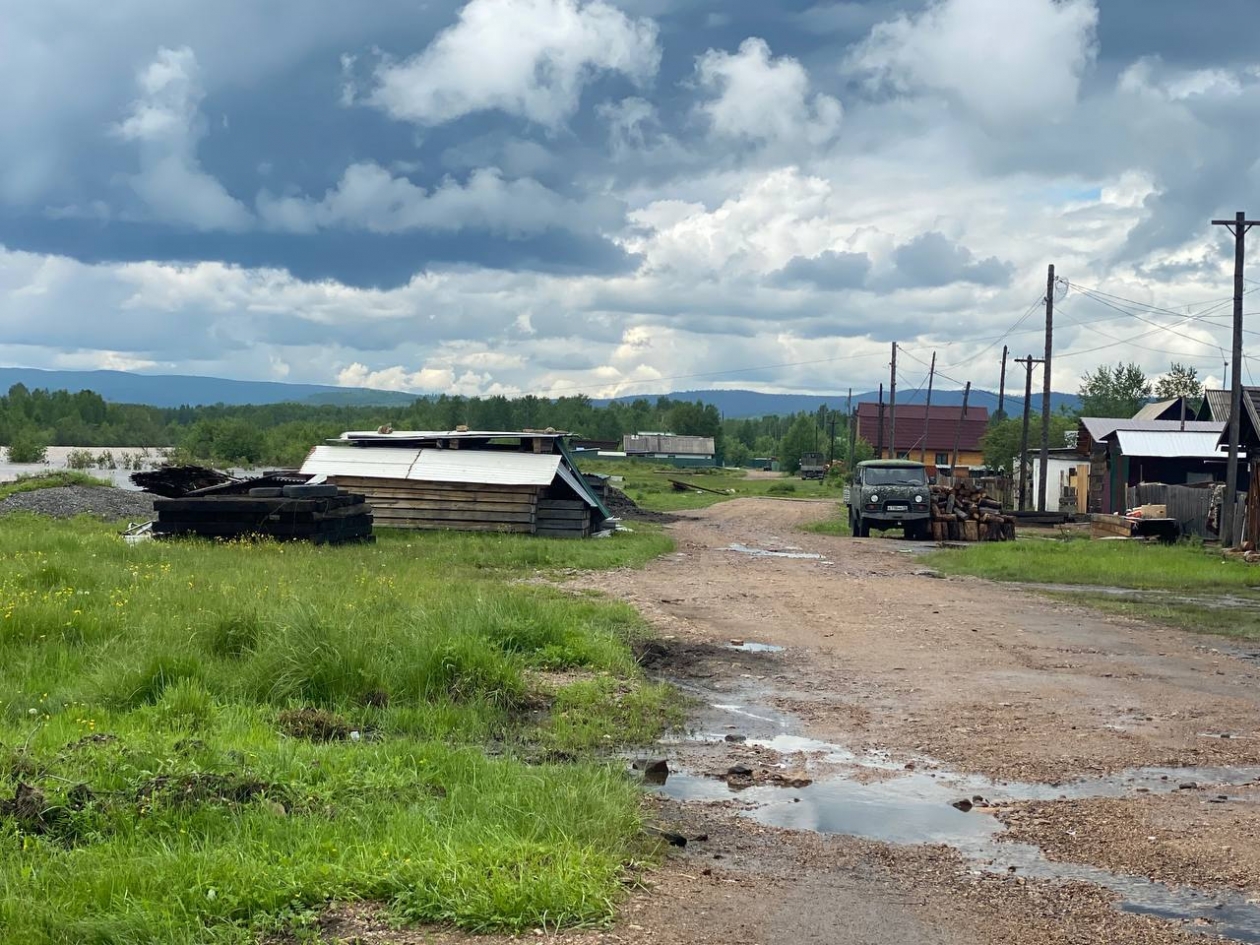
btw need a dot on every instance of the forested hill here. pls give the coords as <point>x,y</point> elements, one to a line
<point>737,404</point>
<point>174,390</point>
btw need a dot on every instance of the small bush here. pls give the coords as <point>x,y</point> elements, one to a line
<point>80,459</point>
<point>27,447</point>
<point>781,488</point>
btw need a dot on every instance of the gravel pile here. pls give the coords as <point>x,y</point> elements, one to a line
<point>68,501</point>
<point>624,507</point>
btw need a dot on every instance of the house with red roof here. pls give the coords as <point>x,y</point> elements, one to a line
<point>930,432</point>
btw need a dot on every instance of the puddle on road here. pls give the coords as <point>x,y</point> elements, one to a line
<point>764,553</point>
<point>1150,595</point>
<point>907,806</point>
<point>756,647</point>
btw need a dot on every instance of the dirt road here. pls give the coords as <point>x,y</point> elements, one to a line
<point>897,693</point>
<point>817,786</point>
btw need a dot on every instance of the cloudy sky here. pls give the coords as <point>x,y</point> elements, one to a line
<point>620,196</point>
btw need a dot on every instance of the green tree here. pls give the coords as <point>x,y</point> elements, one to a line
<point>802,437</point>
<point>26,446</point>
<point>1118,392</point>
<point>1180,381</point>
<point>737,454</point>
<point>1002,441</point>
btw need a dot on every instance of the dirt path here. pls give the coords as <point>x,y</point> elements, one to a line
<point>897,692</point>
<point>816,787</point>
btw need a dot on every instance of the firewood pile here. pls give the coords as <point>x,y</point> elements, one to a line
<point>964,513</point>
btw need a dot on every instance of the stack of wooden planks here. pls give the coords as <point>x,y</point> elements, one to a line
<point>963,513</point>
<point>404,503</point>
<point>323,515</point>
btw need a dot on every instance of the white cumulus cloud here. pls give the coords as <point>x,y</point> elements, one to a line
<point>1005,60</point>
<point>166,124</point>
<point>762,98</point>
<point>530,58</point>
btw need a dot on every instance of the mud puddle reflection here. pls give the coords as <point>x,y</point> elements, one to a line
<point>871,797</point>
<point>764,553</point>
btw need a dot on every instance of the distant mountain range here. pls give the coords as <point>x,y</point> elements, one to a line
<point>737,404</point>
<point>175,390</point>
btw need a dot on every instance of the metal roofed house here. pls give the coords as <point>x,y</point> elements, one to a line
<point>671,448</point>
<point>505,481</point>
<point>942,425</point>
<point>1127,453</point>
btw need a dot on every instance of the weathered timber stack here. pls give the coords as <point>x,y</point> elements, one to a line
<point>964,513</point>
<point>323,515</point>
<point>401,503</point>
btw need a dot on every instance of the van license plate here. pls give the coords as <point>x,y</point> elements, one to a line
<point>898,508</point>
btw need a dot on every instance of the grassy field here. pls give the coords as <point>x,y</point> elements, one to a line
<point>199,742</point>
<point>649,485</point>
<point>1101,563</point>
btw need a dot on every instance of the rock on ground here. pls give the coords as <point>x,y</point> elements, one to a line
<point>68,501</point>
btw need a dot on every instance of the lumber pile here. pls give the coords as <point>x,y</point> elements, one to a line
<point>323,515</point>
<point>963,513</point>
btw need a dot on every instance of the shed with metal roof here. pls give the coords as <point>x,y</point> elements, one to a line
<point>516,481</point>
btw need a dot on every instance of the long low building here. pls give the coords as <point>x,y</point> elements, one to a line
<point>522,481</point>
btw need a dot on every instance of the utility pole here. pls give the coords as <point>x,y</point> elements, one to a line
<point>852,431</point>
<point>1002,386</point>
<point>892,405</point>
<point>1045,394</point>
<point>879,446</point>
<point>1028,363</point>
<point>927,412</point>
<point>831,453</point>
<point>953,466</point>
<point>1239,227</point>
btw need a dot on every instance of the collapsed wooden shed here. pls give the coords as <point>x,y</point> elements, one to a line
<point>521,482</point>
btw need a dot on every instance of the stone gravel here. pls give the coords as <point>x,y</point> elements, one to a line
<point>69,501</point>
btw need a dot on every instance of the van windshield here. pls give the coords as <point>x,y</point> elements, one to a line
<point>894,476</point>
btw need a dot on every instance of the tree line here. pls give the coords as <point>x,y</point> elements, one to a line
<point>282,434</point>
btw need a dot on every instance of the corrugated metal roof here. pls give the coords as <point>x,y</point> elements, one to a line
<point>1169,444</point>
<point>1215,405</point>
<point>941,423</point>
<point>433,465</point>
<point>371,464</point>
<point>485,468</point>
<point>1099,428</point>
<point>1155,410</point>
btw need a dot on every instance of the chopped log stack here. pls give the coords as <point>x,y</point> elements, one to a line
<point>319,514</point>
<point>964,513</point>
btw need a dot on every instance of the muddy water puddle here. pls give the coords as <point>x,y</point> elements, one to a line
<point>871,796</point>
<point>772,553</point>
<point>749,647</point>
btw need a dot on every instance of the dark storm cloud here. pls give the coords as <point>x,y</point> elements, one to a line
<point>830,271</point>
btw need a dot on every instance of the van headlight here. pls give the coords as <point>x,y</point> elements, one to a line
<point>918,500</point>
<point>874,498</point>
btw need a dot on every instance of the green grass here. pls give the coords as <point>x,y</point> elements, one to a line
<point>1103,563</point>
<point>838,524</point>
<point>175,765</point>
<point>49,480</point>
<point>648,484</point>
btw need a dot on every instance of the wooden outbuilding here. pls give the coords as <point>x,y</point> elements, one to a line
<point>523,481</point>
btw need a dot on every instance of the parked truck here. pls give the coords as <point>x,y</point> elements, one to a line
<point>890,493</point>
<point>813,466</point>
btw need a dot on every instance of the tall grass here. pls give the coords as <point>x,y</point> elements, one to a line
<point>144,692</point>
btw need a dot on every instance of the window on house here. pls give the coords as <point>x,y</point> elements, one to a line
<point>942,459</point>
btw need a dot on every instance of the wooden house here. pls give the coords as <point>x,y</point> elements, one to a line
<point>523,482</point>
